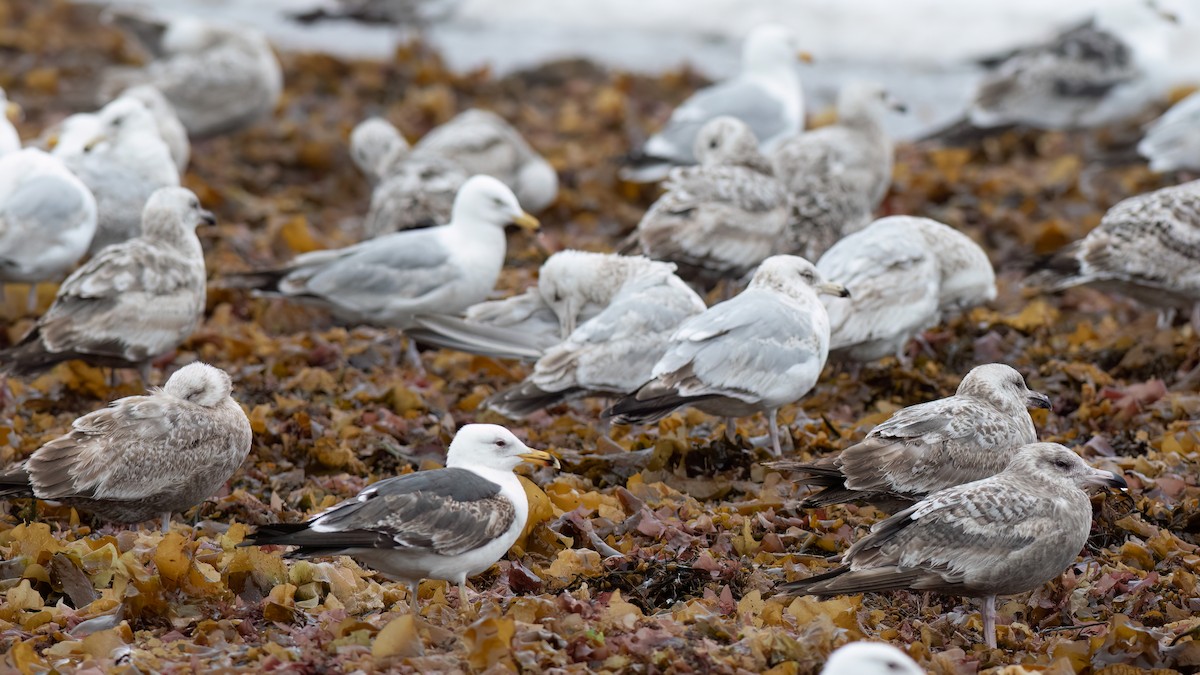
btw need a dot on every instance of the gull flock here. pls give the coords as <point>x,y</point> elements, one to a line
<point>777,220</point>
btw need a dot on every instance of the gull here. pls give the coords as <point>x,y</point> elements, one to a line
<point>47,218</point>
<point>448,524</point>
<point>758,351</point>
<point>836,176</point>
<point>1172,142</point>
<point>218,78</point>
<point>143,456</point>
<point>170,127</point>
<point>1002,535</point>
<point>122,159</point>
<point>905,274</point>
<point>870,658</point>
<point>130,303</point>
<point>722,218</point>
<point>765,95</point>
<point>1145,247</point>
<point>10,140</point>
<point>930,446</point>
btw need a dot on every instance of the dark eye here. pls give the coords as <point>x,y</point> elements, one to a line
<point>713,143</point>
<point>499,202</point>
<point>1062,464</point>
<point>892,665</point>
<point>500,442</point>
<point>195,204</point>
<point>557,296</point>
<point>117,121</point>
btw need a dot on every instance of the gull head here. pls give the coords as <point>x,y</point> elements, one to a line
<point>769,47</point>
<point>870,658</point>
<point>866,99</point>
<point>152,98</point>
<point>188,34</point>
<point>374,143</point>
<point>794,275</point>
<point>1059,464</point>
<point>485,200</point>
<point>569,280</point>
<point>725,140</point>
<point>122,119</point>
<point>172,209</point>
<point>491,446</point>
<point>1003,387</point>
<point>201,384</point>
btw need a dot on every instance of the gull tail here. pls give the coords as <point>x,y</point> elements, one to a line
<point>15,483</point>
<point>844,581</point>
<point>641,167</point>
<point>527,398</point>
<point>29,356</point>
<point>827,477</point>
<point>1057,271</point>
<point>451,332</point>
<point>650,403</point>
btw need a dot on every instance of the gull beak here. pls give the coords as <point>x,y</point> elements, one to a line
<point>804,56</point>
<point>1037,399</point>
<point>13,112</point>
<point>568,321</point>
<point>1106,479</point>
<point>208,218</point>
<point>526,222</point>
<point>540,458</point>
<point>833,288</point>
<point>96,140</point>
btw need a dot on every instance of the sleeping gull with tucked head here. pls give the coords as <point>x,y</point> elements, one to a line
<point>758,351</point>
<point>448,524</point>
<point>930,446</point>
<point>870,658</point>
<point>1002,535</point>
<point>130,303</point>
<point>765,95</point>
<point>143,456</point>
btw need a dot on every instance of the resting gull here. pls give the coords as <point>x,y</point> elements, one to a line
<point>765,95</point>
<point>10,140</point>
<point>1002,535</point>
<point>1145,247</point>
<point>1172,142</point>
<point>722,218</point>
<point>143,456</point>
<point>131,302</point>
<point>758,351</point>
<point>448,524</point>
<point>122,159</point>
<point>930,446</point>
<point>47,218</point>
<point>218,78</point>
<point>904,275</point>
<point>170,127</point>
<point>870,658</point>
<point>614,352</point>
<point>836,176</point>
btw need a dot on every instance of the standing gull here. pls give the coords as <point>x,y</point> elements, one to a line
<point>722,218</point>
<point>119,155</point>
<point>930,446</point>
<point>448,524</point>
<point>1172,142</point>
<point>870,658</point>
<point>131,302</point>
<point>218,78</point>
<point>758,351</point>
<point>1002,535</point>
<point>904,275</point>
<point>836,176</point>
<point>765,95</point>
<point>143,456</point>
<point>1145,247</point>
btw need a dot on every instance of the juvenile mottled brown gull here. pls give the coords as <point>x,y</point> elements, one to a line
<point>131,302</point>
<point>218,78</point>
<point>930,446</point>
<point>870,658</point>
<point>722,218</point>
<point>143,456</point>
<point>836,176</point>
<point>1002,535</point>
<point>904,274</point>
<point>1146,247</point>
<point>448,524</point>
<point>1172,142</point>
<point>758,351</point>
<point>765,95</point>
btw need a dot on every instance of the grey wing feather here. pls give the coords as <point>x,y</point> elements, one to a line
<point>740,98</point>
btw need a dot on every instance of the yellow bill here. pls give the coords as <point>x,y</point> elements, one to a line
<point>541,458</point>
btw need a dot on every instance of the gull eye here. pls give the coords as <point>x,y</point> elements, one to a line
<point>1062,464</point>
<point>500,443</point>
<point>714,144</point>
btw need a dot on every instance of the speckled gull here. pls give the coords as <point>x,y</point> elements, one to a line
<point>614,352</point>
<point>129,303</point>
<point>1172,142</point>
<point>765,95</point>
<point>122,159</point>
<point>722,218</point>
<point>756,352</point>
<point>930,446</point>
<point>391,279</point>
<point>218,78</point>
<point>10,140</point>
<point>47,218</point>
<point>904,274</point>
<point>1146,247</point>
<point>870,658</point>
<point>448,524</point>
<point>836,176</point>
<point>143,457</point>
<point>1002,535</point>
